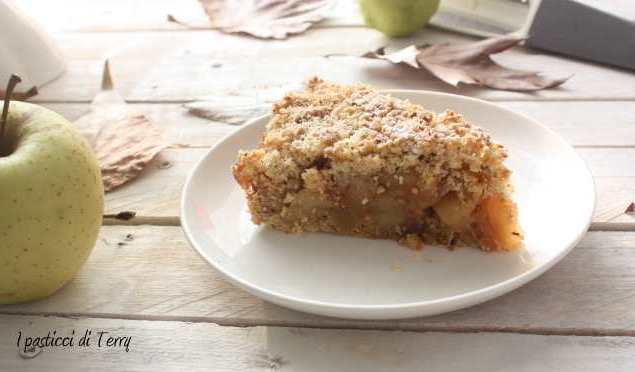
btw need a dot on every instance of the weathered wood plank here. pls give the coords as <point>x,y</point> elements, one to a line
<point>156,193</point>
<point>139,15</point>
<point>114,15</point>
<point>127,279</point>
<point>162,66</point>
<point>135,54</point>
<point>589,293</point>
<point>180,127</point>
<point>586,123</point>
<point>205,347</point>
<point>169,81</point>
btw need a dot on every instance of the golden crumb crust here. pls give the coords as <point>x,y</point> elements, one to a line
<point>350,160</point>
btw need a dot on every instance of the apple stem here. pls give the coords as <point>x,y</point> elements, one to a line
<point>13,81</point>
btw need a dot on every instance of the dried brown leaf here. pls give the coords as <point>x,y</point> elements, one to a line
<point>124,147</point>
<point>470,64</point>
<point>407,55</point>
<point>630,209</point>
<point>266,19</point>
<point>124,141</point>
<point>236,109</point>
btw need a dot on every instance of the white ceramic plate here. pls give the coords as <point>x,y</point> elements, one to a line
<point>376,279</point>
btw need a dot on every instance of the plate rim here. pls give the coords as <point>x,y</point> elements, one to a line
<point>451,303</point>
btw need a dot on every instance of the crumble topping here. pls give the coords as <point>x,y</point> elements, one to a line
<point>358,130</point>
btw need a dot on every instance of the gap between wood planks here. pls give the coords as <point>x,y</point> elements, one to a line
<point>530,98</point>
<point>175,221</point>
<point>203,28</point>
<point>223,322</point>
<point>186,146</point>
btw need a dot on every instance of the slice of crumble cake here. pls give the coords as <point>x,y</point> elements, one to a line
<point>349,160</point>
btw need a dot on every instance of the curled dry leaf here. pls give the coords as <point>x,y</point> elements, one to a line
<point>124,147</point>
<point>469,64</point>
<point>266,19</point>
<point>236,109</point>
<point>123,141</point>
<point>230,110</point>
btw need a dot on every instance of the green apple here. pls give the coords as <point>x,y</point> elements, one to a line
<point>51,202</point>
<point>398,17</point>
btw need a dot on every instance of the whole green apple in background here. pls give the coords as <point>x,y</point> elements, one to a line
<point>51,203</point>
<point>398,17</point>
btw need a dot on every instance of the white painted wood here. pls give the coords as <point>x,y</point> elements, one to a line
<point>114,15</point>
<point>136,15</point>
<point>177,66</point>
<point>180,128</point>
<point>586,123</point>
<point>172,346</point>
<point>170,295</point>
<point>589,82</point>
<point>156,192</point>
<point>155,275</point>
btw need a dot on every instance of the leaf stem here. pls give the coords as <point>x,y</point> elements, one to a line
<point>13,81</point>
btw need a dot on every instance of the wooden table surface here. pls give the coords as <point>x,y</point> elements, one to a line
<point>183,316</point>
